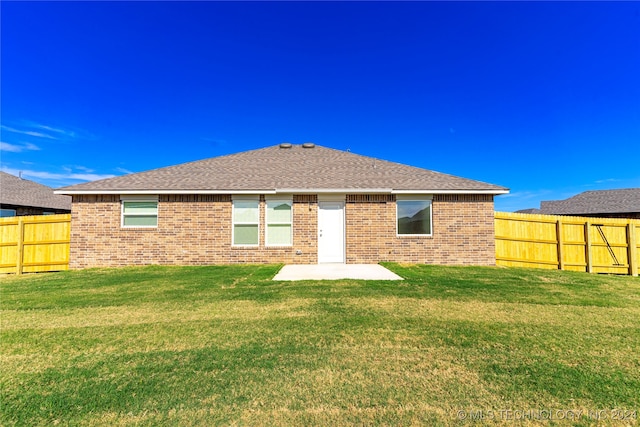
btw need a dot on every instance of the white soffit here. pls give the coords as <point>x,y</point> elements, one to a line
<point>281,191</point>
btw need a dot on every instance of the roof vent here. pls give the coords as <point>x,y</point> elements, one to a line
<point>308,145</point>
<point>285,145</point>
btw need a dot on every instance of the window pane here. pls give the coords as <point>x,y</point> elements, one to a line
<point>7,212</point>
<point>142,208</point>
<point>245,211</point>
<point>278,212</point>
<point>414,217</point>
<point>141,221</point>
<point>245,234</point>
<point>279,234</point>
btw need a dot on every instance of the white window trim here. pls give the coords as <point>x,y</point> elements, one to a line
<point>415,198</point>
<point>267,222</point>
<point>243,198</point>
<point>139,198</point>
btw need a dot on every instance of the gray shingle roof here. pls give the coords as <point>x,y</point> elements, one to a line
<point>277,169</point>
<point>529,211</point>
<point>595,202</point>
<point>22,192</point>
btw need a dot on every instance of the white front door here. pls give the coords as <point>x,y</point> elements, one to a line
<point>330,232</point>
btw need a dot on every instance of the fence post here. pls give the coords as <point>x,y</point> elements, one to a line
<point>20,249</point>
<point>560,242</point>
<point>632,249</point>
<point>587,246</point>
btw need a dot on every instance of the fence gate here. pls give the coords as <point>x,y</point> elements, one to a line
<point>594,245</point>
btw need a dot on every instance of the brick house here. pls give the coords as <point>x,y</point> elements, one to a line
<point>20,197</point>
<point>297,204</point>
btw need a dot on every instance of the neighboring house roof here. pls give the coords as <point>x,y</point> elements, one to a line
<point>22,192</point>
<point>277,169</point>
<point>529,211</point>
<point>595,202</point>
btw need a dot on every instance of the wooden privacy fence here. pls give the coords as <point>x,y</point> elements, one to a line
<point>594,245</point>
<point>30,244</point>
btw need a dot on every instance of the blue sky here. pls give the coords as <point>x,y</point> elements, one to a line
<point>540,97</point>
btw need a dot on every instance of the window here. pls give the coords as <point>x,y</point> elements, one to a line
<point>7,212</point>
<point>246,219</point>
<point>139,213</point>
<point>279,221</point>
<point>414,217</point>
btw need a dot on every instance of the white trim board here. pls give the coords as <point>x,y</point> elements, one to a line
<point>282,191</point>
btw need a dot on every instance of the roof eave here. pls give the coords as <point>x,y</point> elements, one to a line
<point>95,192</point>
<point>495,192</point>
<point>287,191</point>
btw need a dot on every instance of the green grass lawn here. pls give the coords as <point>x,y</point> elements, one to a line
<point>225,345</point>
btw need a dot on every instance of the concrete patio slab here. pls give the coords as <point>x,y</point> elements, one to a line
<point>335,272</point>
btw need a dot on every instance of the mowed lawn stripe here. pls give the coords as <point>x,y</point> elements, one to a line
<point>226,345</point>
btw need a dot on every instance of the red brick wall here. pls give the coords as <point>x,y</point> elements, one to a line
<point>463,232</point>
<point>196,229</point>
<point>192,230</point>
